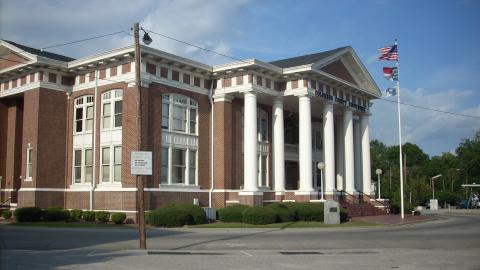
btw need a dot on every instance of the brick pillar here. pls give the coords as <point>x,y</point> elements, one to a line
<point>222,172</point>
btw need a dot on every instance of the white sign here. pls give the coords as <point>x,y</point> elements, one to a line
<point>141,163</point>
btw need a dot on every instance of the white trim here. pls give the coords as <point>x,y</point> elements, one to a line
<point>103,188</point>
<point>271,201</point>
<point>177,188</point>
<point>42,189</point>
<point>232,201</point>
<point>250,193</point>
<point>7,189</point>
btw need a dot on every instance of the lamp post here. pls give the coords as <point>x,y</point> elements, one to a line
<point>321,166</point>
<point>378,172</point>
<point>433,185</point>
<point>140,178</point>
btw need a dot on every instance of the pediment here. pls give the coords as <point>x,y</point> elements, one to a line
<point>339,70</point>
<point>11,56</point>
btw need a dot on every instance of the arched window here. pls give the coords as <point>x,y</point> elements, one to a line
<point>179,153</point>
<point>112,109</point>
<point>179,114</point>
<point>83,115</point>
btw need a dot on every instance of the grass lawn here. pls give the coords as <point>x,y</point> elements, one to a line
<point>62,224</point>
<point>285,225</point>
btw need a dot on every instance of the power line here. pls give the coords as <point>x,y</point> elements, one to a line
<point>197,46</point>
<point>431,109</point>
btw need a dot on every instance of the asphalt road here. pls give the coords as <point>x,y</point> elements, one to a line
<point>450,243</point>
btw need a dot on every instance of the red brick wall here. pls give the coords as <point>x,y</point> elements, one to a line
<point>10,60</point>
<point>337,69</point>
<point>223,145</point>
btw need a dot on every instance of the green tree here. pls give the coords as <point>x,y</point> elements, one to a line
<point>468,153</point>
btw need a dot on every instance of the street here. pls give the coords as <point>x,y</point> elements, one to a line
<point>451,242</point>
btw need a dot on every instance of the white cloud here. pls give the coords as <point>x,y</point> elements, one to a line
<point>434,132</point>
<point>209,24</point>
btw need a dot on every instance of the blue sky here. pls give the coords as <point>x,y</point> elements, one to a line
<point>438,45</point>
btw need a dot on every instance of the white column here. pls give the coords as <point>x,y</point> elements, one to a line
<point>305,144</point>
<point>328,148</point>
<point>349,153</point>
<point>340,155</point>
<point>357,146</point>
<point>250,159</point>
<point>278,145</point>
<point>365,154</point>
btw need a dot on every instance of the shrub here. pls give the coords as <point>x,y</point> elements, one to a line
<point>197,213</point>
<point>343,215</point>
<point>88,216</point>
<point>259,215</point>
<point>169,216</point>
<point>102,216</point>
<point>75,214</point>
<point>307,211</point>
<point>56,213</point>
<point>232,213</point>
<point>6,214</point>
<point>118,218</point>
<point>282,212</point>
<point>27,214</point>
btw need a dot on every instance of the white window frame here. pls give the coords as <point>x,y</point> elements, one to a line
<point>186,167</point>
<point>112,163</point>
<point>190,105</point>
<point>29,169</point>
<point>83,166</point>
<point>83,102</point>
<point>111,97</point>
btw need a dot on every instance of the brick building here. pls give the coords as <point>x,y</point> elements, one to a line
<point>243,132</point>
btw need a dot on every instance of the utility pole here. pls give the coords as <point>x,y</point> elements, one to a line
<point>140,178</point>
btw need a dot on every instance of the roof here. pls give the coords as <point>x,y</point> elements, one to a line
<point>305,59</point>
<point>46,54</point>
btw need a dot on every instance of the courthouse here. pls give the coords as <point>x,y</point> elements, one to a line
<point>249,131</point>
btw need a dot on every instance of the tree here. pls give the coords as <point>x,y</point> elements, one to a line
<point>468,153</point>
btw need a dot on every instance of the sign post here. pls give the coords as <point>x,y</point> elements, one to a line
<point>141,164</point>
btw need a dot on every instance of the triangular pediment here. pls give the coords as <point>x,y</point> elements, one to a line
<point>347,66</point>
<point>11,57</point>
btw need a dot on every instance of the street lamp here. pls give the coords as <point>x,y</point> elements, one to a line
<point>433,185</point>
<point>378,172</point>
<point>140,178</point>
<point>321,166</point>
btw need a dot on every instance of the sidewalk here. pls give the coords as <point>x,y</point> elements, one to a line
<point>394,219</point>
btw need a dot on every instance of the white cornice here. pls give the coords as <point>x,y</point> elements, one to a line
<point>247,63</point>
<point>101,56</point>
<point>176,58</point>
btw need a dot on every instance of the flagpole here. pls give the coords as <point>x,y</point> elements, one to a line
<point>400,138</point>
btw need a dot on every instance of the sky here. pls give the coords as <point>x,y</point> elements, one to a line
<point>438,45</point>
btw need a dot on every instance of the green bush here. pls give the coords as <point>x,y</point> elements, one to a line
<point>102,216</point>
<point>307,211</point>
<point>56,213</point>
<point>88,216</point>
<point>282,212</point>
<point>259,215</point>
<point>6,214</point>
<point>75,214</point>
<point>395,208</point>
<point>197,213</point>
<point>27,214</point>
<point>343,215</point>
<point>118,218</point>
<point>169,216</point>
<point>232,213</point>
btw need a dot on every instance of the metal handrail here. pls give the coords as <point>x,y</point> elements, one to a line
<point>380,202</point>
<point>9,199</point>
<point>353,196</point>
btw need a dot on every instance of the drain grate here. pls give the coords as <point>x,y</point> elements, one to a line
<point>301,253</point>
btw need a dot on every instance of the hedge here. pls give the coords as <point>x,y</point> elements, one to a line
<point>76,214</point>
<point>232,213</point>
<point>28,214</point>
<point>88,216</point>
<point>259,215</point>
<point>118,218</point>
<point>343,215</point>
<point>169,216</point>
<point>282,212</point>
<point>102,216</point>
<point>307,211</point>
<point>197,213</point>
<point>56,213</point>
<point>6,214</point>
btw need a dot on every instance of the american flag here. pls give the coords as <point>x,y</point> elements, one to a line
<point>388,53</point>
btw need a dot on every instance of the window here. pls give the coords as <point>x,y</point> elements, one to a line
<point>179,114</point>
<point>29,163</point>
<point>262,171</point>
<point>82,165</point>
<point>111,164</point>
<point>178,166</point>
<point>262,126</point>
<point>112,108</point>
<point>83,115</point>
